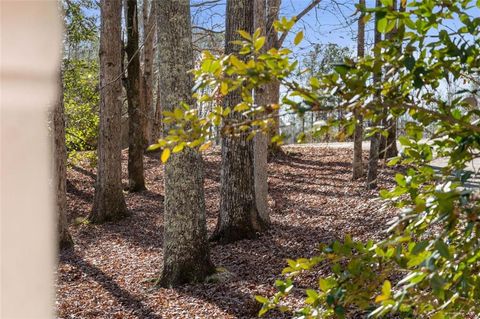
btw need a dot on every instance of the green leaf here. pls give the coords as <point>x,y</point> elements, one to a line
<point>442,249</point>
<point>326,284</point>
<point>439,315</point>
<point>409,62</point>
<point>314,83</point>
<point>263,311</point>
<point>394,161</point>
<point>261,299</point>
<point>340,311</point>
<point>419,247</point>
<point>382,25</point>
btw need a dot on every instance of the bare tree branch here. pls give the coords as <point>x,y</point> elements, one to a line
<point>299,17</point>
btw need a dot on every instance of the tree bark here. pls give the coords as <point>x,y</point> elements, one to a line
<point>262,98</point>
<point>273,88</point>
<point>186,256</point>
<point>109,202</point>
<point>357,167</point>
<point>375,139</point>
<point>157,121</point>
<point>388,144</point>
<point>60,151</point>
<point>136,114</point>
<point>239,217</point>
<point>149,33</point>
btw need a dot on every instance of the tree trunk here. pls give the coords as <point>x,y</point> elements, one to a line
<point>375,139</point>
<point>60,151</point>
<point>238,218</point>
<point>262,98</point>
<point>109,202</point>
<point>273,88</point>
<point>136,117</point>
<point>357,170</point>
<point>388,144</point>
<point>157,121</point>
<point>186,256</point>
<point>149,33</point>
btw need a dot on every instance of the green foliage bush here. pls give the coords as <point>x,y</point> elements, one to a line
<point>428,266</point>
<point>81,99</point>
<point>80,77</point>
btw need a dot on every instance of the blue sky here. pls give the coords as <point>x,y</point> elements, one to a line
<point>327,23</point>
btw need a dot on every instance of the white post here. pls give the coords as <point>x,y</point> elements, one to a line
<point>30,33</point>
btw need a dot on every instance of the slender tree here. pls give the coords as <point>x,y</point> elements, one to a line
<point>109,202</point>
<point>272,89</point>
<point>60,156</point>
<point>136,109</point>
<point>149,34</point>
<point>157,120</point>
<point>186,255</point>
<point>388,144</point>
<point>262,98</point>
<point>375,139</point>
<point>274,41</point>
<point>238,218</point>
<point>357,169</point>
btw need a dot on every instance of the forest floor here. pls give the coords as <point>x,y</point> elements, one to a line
<point>312,199</point>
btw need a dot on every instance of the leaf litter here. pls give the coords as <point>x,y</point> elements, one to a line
<point>111,270</point>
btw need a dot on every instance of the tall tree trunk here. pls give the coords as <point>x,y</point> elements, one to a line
<point>157,121</point>
<point>186,256</point>
<point>136,117</point>
<point>375,139</point>
<point>262,98</point>
<point>109,202</point>
<point>357,167</point>
<point>238,218</point>
<point>149,32</point>
<point>273,88</point>
<point>388,144</point>
<point>60,151</point>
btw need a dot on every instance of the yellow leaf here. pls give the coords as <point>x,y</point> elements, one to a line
<point>165,155</point>
<point>226,111</point>
<point>205,146</point>
<point>244,34</point>
<point>237,63</point>
<point>387,289</point>
<point>404,3</point>
<point>178,148</point>
<point>224,88</point>
<point>439,315</point>
<point>194,143</point>
<point>178,113</point>
<point>153,147</point>
<point>298,38</point>
<point>381,298</point>
<point>259,43</point>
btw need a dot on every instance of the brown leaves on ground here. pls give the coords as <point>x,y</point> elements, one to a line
<point>110,271</point>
